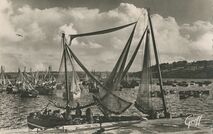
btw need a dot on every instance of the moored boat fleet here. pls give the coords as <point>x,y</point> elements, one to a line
<point>27,84</point>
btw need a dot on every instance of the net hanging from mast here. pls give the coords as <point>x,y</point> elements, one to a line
<point>105,96</point>
<point>148,99</point>
<point>106,100</point>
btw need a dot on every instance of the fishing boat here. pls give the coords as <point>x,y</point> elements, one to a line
<point>5,83</point>
<point>24,87</point>
<point>47,84</point>
<point>108,102</point>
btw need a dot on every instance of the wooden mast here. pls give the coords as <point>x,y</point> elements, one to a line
<point>2,76</point>
<point>157,64</point>
<point>65,69</point>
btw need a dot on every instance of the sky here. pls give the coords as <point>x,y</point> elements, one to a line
<point>183,30</point>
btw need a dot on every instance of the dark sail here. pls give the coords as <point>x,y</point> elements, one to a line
<point>100,32</point>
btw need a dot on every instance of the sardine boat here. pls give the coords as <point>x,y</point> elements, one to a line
<point>107,101</point>
<point>25,88</point>
<point>5,84</point>
<point>46,84</point>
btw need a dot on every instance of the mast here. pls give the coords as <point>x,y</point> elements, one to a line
<point>2,76</point>
<point>157,64</point>
<point>65,69</point>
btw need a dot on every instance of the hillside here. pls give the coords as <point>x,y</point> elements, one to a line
<point>183,69</point>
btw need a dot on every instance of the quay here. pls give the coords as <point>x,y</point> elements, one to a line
<point>161,126</point>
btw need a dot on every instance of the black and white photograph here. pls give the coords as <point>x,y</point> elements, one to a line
<point>106,66</point>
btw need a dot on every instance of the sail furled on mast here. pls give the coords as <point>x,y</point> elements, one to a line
<point>72,91</point>
<point>75,88</point>
<point>101,31</point>
<point>60,91</point>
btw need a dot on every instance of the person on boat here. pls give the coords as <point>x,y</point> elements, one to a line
<point>78,111</point>
<point>49,112</point>
<point>167,114</point>
<point>81,86</point>
<point>45,112</point>
<point>67,115</point>
<point>89,116</point>
<point>58,114</point>
<point>54,113</point>
<point>153,114</point>
<point>9,88</point>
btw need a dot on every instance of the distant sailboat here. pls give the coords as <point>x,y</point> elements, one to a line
<point>5,83</point>
<point>24,87</point>
<point>47,84</point>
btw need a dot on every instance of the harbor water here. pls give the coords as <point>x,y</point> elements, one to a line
<point>14,109</point>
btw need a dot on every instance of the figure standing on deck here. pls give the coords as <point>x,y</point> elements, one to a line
<point>68,115</point>
<point>89,116</point>
<point>78,111</point>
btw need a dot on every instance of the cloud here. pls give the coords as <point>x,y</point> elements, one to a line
<point>183,42</point>
<point>197,29</point>
<point>42,28</point>
<point>7,29</point>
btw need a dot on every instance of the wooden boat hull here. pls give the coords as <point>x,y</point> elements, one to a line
<point>12,90</point>
<point>2,89</point>
<point>30,94</point>
<point>53,122</point>
<point>44,123</point>
<point>44,90</point>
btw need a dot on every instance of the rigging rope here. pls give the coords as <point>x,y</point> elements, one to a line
<point>116,73</point>
<point>134,55</point>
